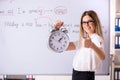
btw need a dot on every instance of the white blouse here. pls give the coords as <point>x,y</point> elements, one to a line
<point>85,59</point>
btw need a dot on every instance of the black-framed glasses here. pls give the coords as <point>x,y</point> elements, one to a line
<point>90,22</point>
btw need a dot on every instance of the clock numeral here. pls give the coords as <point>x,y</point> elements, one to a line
<point>52,37</point>
<point>58,34</point>
<point>50,41</point>
<point>64,45</point>
<point>64,38</point>
<point>65,41</point>
<point>53,46</point>
<point>57,48</point>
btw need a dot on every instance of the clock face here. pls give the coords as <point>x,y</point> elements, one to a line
<point>58,41</point>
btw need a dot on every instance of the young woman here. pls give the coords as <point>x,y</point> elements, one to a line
<point>90,47</point>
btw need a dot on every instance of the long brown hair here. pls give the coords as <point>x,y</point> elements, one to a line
<point>94,16</point>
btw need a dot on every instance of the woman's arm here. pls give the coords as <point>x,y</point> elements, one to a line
<point>71,46</point>
<point>99,51</point>
<point>89,44</point>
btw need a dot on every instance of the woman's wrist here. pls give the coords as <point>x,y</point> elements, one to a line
<point>92,44</point>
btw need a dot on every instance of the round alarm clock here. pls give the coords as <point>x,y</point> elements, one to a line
<point>59,40</point>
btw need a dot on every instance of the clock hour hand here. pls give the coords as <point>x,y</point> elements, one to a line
<point>60,39</point>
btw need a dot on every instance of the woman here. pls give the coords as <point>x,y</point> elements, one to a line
<point>90,47</point>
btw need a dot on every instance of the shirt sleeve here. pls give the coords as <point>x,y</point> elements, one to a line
<point>99,42</point>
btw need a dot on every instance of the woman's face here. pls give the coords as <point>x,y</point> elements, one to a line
<point>88,24</point>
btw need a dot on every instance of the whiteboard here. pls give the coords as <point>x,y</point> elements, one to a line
<point>25,27</point>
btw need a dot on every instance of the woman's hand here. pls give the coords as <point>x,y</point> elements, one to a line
<point>58,24</point>
<point>87,42</point>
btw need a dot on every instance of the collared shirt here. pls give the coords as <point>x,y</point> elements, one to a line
<point>85,59</point>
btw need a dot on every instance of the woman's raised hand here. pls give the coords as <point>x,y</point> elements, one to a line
<point>57,24</point>
<point>87,42</point>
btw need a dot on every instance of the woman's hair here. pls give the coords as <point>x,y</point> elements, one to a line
<point>97,23</point>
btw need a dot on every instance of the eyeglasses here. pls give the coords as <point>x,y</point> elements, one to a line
<point>90,22</point>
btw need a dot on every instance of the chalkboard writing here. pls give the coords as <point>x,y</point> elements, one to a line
<point>25,26</point>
